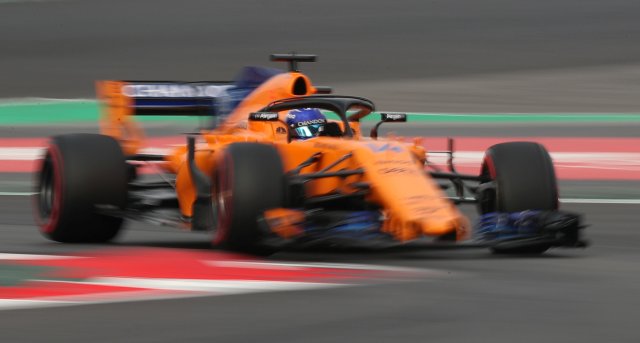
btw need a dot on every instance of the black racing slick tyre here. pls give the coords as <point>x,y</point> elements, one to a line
<point>248,180</point>
<point>518,176</point>
<point>78,173</point>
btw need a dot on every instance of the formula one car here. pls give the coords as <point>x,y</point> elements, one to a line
<point>258,190</point>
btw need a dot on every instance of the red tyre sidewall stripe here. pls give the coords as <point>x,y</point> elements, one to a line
<point>57,169</point>
<point>488,161</point>
<point>547,156</point>
<point>225,181</point>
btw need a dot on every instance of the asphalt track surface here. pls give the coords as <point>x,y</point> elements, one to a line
<point>580,295</point>
<point>57,49</point>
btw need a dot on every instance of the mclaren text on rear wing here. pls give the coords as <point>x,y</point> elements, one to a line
<point>167,97</point>
<point>121,100</point>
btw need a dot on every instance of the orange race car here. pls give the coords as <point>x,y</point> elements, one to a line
<point>272,170</point>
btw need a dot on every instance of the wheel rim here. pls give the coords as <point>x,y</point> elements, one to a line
<point>488,199</point>
<point>223,202</point>
<point>46,190</point>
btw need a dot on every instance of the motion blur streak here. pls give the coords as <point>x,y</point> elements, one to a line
<point>468,56</point>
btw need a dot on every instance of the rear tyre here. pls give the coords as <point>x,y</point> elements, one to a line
<point>518,176</point>
<point>78,173</point>
<point>249,179</point>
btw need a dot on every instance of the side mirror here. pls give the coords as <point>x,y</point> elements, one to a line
<point>387,118</point>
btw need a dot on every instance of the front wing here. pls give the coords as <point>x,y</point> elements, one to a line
<point>362,229</point>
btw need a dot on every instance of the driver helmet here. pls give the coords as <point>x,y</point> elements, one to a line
<point>305,123</point>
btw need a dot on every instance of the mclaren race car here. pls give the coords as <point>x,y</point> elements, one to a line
<point>257,189</point>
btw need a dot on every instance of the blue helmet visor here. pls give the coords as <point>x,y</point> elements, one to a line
<point>309,131</point>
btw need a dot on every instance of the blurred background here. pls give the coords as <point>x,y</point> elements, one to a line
<point>452,56</point>
<point>561,70</point>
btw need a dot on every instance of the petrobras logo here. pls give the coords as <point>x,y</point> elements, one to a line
<point>311,122</point>
<point>378,148</point>
<point>174,90</point>
<point>263,116</point>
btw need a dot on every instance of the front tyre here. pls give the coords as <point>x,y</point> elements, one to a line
<point>248,180</point>
<point>78,173</point>
<point>518,176</point>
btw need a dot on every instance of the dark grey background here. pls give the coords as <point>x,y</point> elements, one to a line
<point>462,55</point>
<point>511,55</point>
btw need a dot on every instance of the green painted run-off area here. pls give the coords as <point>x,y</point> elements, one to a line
<point>66,111</point>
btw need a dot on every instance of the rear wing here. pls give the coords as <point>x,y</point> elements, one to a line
<point>123,99</point>
<point>166,97</point>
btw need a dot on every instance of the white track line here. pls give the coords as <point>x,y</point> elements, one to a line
<point>32,257</point>
<point>601,201</point>
<point>17,304</point>
<point>21,154</point>
<point>32,154</point>
<point>590,160</point>
<point>213,286</point>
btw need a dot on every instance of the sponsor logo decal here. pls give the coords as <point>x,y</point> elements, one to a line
<point>396,170</point>
<point>311,122</point>
<point>325,146</point>
<point>393,116</point>
<point>385,147</point>
<point>263,116</point>
<point>398,162</point>
<point>175,90</point>
<point>428,210</point>
<point>418,198</point>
